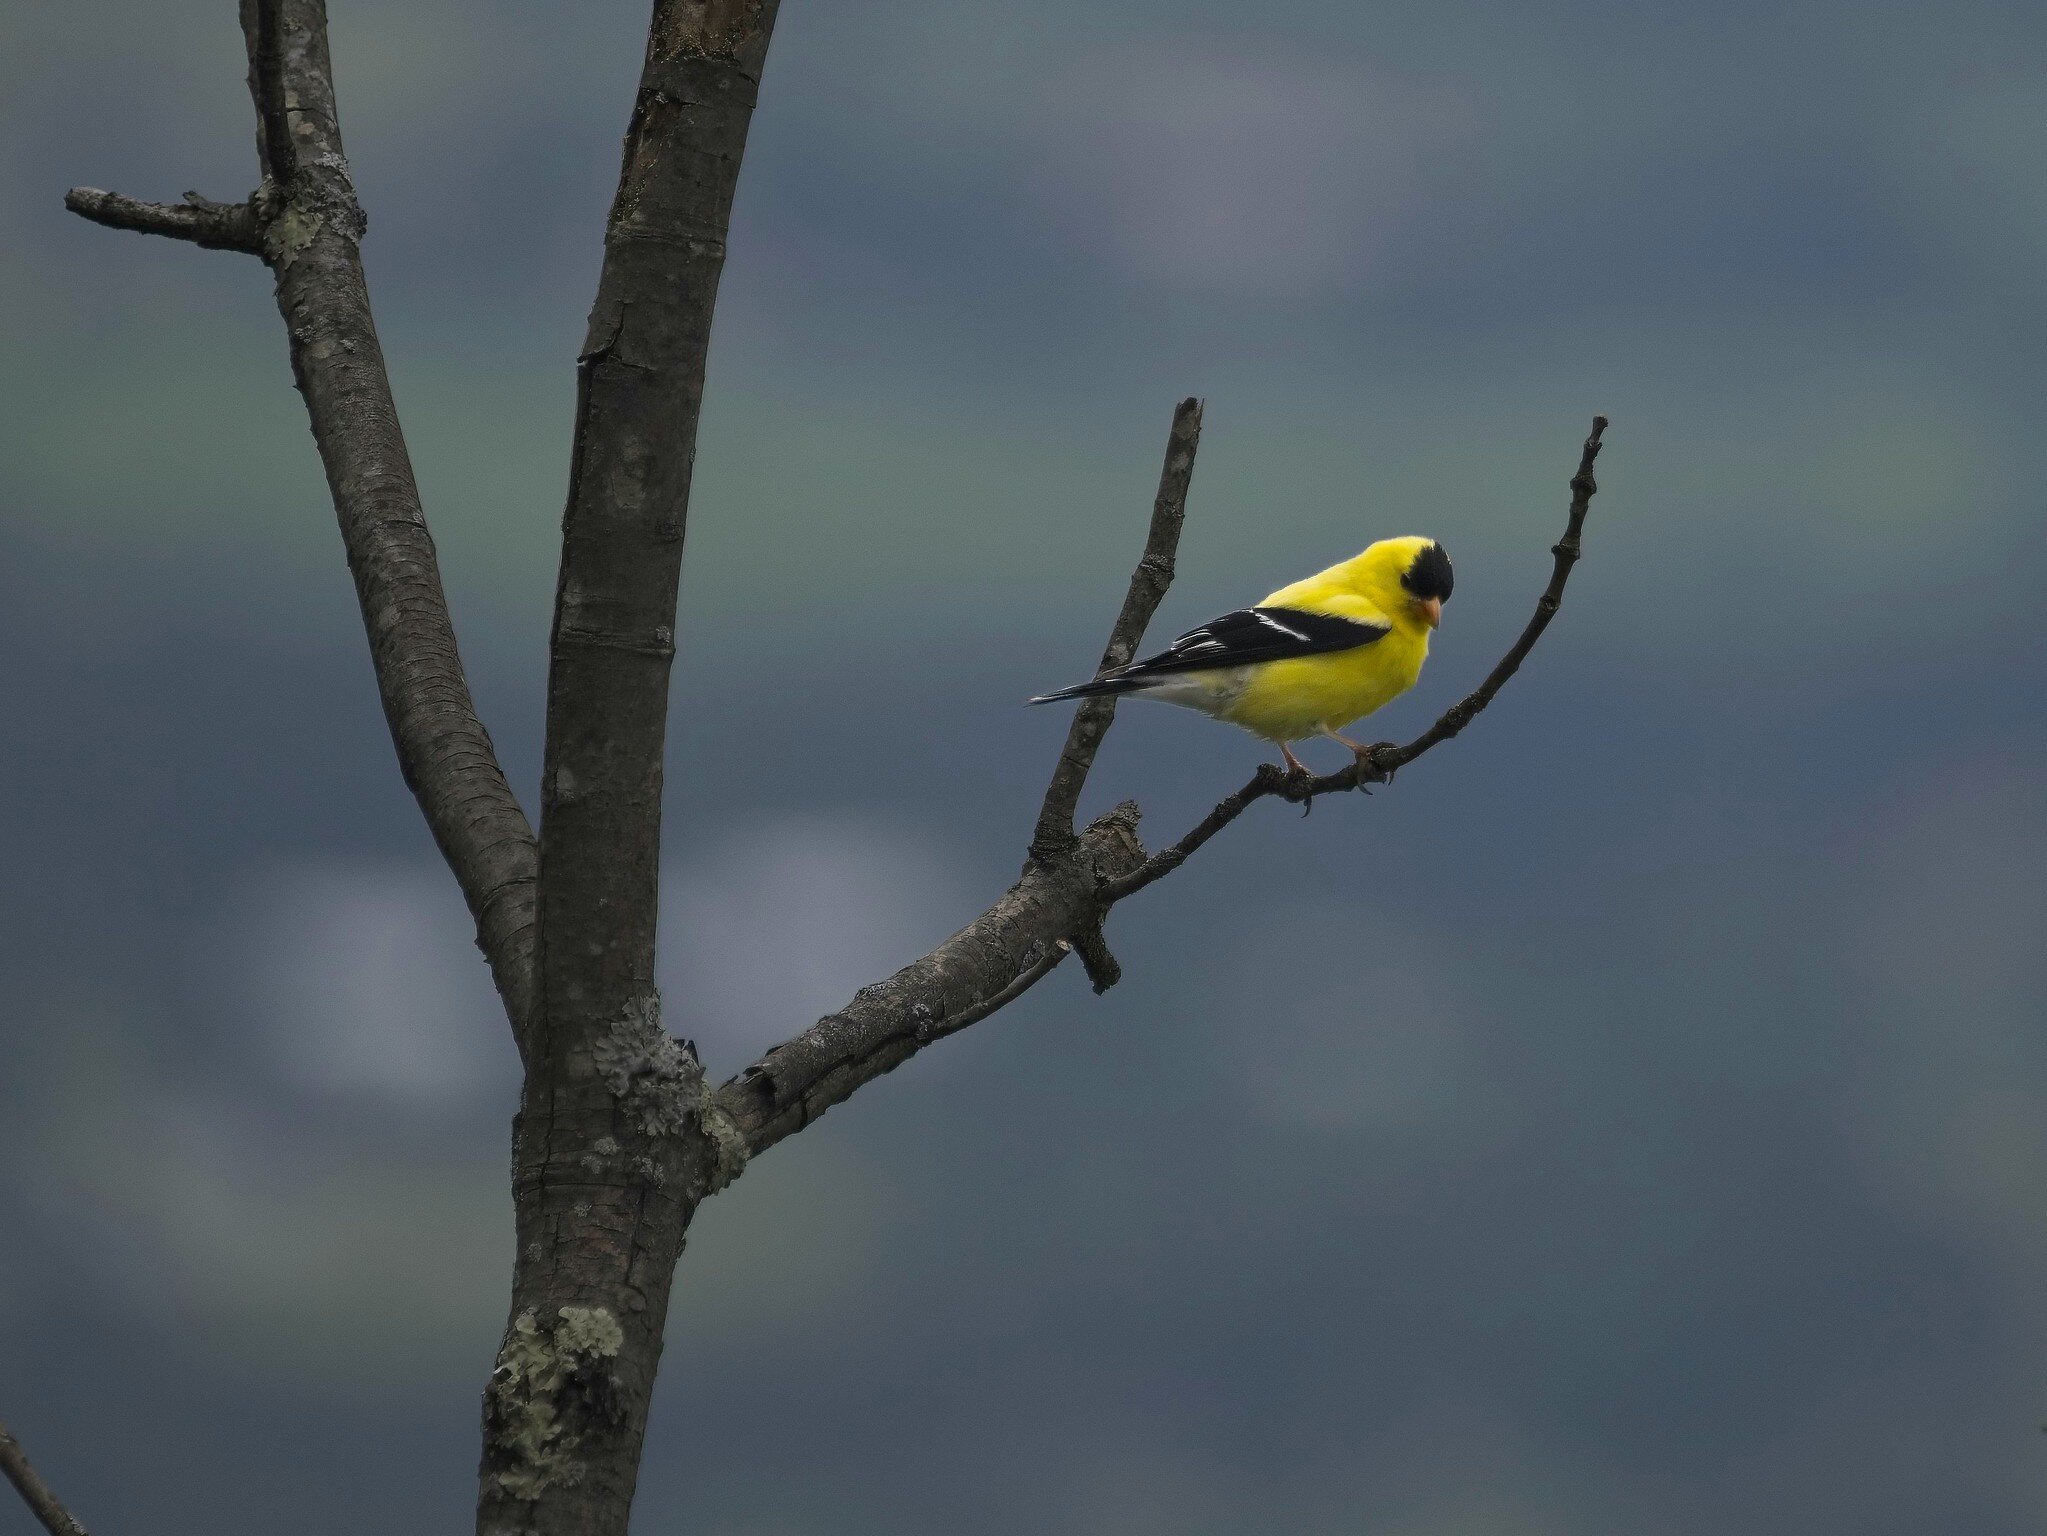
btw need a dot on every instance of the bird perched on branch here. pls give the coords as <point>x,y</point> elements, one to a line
<point>1310,658</point>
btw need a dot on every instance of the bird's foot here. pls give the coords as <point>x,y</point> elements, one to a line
<point>1289,782</point>
<point>1368,760</point>
<point>1366,769</point>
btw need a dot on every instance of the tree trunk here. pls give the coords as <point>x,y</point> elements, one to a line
<point>619,1139</point>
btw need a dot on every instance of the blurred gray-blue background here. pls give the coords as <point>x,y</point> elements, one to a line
<point>1634,1121</point>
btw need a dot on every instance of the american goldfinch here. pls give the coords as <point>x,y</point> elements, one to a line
<point>1310,658</point>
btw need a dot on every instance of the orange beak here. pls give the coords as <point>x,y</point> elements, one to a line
<point>1432,610</point>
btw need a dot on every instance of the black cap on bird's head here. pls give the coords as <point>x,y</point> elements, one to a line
<point>1428,581</point>
<point>1430,574</point>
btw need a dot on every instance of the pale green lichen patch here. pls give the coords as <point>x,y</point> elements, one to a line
<point>655,1081</point>
<point>550,1381</point>
<point>292,231</point>
<point>660,1086</point>
<point>319,201</point>
<point>726,1138</point>
<point>589,1331</point>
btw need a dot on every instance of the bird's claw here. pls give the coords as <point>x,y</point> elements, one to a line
<point>1288,780</point>
<point>1368,769</point>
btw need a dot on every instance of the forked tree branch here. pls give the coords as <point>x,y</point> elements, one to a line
<point>1387,759</point>
<point>620,1139</point>
<point>1053,838</point>
<point>35,1493</point>
<point>1060,900</point>
<point>889,1022</point>
<point>306,224</point>
<point>1049,913</point>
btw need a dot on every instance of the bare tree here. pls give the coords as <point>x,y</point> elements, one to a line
<point>619,1136</point>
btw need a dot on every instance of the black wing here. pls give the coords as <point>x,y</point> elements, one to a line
<point>1256,634</point>
<point>1234,640</point>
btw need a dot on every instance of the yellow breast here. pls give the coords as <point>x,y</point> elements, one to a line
<point>1292,700</point>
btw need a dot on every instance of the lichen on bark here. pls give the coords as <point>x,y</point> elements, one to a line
<point>551,1381</point>
<point>661,1089</point>
<point>705,29</point>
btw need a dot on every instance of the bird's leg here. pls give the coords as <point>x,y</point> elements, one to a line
<point>1363,754</point>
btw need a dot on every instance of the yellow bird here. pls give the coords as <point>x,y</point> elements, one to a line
<point>1310,658</point>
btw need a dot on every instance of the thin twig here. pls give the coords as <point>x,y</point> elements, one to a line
<point>1266,781</point>
<point>210,225</point>
<point>1566,551</point>
<point>1148,583</point>
<point>1386,759</point>
<point>42,1503</point>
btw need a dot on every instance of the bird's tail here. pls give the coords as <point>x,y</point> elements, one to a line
<point>1110,683</point>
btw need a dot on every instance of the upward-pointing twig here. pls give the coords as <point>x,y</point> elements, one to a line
<point>1566,551</point>
<point>1148,583</point>
<point>42,1503</point>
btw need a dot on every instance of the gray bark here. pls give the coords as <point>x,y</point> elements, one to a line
<point>42,1502</point>
<point>618,1139</point>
